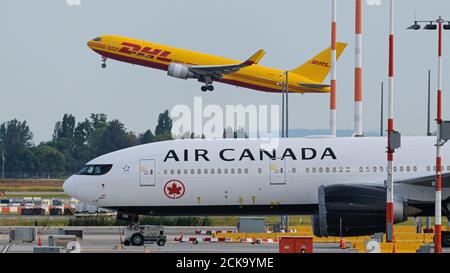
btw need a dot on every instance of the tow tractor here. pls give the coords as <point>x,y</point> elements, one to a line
<point>137,235</point>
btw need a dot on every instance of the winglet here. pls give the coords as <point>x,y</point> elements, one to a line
<point>255,58</point>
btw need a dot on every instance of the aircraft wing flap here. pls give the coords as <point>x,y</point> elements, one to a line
<point>218,71</point>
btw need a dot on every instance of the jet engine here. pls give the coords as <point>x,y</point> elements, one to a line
<point>179,71</point>
<point>356,210</point>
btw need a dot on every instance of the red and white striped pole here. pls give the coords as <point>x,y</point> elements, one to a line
<point>333,69</point>
<point>390,156</point>
<point>438,209</point>
<point>358,70</point>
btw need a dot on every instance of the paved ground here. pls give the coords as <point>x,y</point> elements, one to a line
<point>107,240</point>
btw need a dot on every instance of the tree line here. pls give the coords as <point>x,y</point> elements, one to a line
<point>72,144</point>
<point>75,143</point>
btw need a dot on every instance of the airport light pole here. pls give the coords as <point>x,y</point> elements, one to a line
<point>391,135</point>
<point>287,104</point>
<point>382,109</point>
<point>333,86</point>
<point>439,25</point>
<point>358,70</point>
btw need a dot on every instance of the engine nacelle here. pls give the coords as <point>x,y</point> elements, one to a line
<point>358,210</point>
<point>179,71</point>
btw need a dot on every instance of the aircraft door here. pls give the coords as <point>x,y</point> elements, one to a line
<point>277,169</point>
<point>147,172</point>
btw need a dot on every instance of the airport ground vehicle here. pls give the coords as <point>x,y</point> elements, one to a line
<point>138,235</point>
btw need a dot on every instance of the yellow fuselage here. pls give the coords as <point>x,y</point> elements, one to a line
<point>159,56</point>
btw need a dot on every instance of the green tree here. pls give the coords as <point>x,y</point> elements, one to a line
<point>114,137</point>
<point>48,160</point>
<point>163,130</point>
<point>16,139</point>
<point>146,137</point>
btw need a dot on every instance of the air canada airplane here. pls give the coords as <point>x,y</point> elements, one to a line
<point>185,64</point>
<point>328,178</point>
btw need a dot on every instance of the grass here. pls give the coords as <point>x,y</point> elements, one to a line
<point>111,221</point>
<point>31,222</point>
<point>20,188</point>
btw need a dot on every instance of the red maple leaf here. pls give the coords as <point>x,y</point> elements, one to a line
<point>174,189</point>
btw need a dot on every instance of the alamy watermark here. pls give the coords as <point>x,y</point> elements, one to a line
<point>216,122</point>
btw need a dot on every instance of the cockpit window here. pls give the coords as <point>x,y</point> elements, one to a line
<point>95,169</point>
<point>97,39</point>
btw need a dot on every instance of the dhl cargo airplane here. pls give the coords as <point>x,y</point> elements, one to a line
<point>185,64</point>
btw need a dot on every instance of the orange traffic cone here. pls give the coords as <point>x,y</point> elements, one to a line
<point>343,244</point>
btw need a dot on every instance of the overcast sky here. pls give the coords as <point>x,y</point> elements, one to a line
<point>47,70</point>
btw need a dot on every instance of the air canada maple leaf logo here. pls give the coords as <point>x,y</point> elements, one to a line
<point>174,189</point>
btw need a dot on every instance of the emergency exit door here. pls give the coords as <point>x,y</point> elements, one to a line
<point>147,172</point>
<point>277,171</point>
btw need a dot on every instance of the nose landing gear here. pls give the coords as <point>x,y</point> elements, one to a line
<point>104,59</point>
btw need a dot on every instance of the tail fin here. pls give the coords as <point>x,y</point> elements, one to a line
<point>318,67</point>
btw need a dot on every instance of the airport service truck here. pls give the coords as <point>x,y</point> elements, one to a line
<point>138,235</point>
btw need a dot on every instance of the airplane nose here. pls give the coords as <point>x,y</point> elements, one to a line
<point>69,187</point>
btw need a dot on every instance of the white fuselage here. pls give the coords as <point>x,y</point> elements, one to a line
<point>210,176</point>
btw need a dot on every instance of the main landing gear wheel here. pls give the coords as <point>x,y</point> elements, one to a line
<point>207,88</point>
<point>103,66</point>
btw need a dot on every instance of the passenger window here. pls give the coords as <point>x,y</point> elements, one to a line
<point>192,171</point>
<point>334,169</point>
<point>361,169</point>
<point>428,169</point>
<point>415,168</point>
<point>239,170</point>
<point>259,170</point>
<point>408,168</point>
<point>307,170</point>
<point>347,169</point>
<point>381,169</point>
<point>212,171</point>
<point>199,171</point>
<point>185,171</point>
<point>341,169</point>
<point>402,168</point>
<point>320,170</point>
<point>314,170</point>
<point>172,171</point>
<point>294,170</point>
<point>232,170</point>
<point>219,171</point>
<point>327,170</point>
<point>165,171</point>
<point>225,171</point>
<point>374,169</point>
<point>205,171</point>
<point>246,171</point>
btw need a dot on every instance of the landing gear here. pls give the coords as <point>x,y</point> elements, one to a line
<point>207,88</point>
<point>104,62</point>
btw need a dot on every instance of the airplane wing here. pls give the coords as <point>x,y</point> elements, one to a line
<point>217,71</point>
<point>427,181</point>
